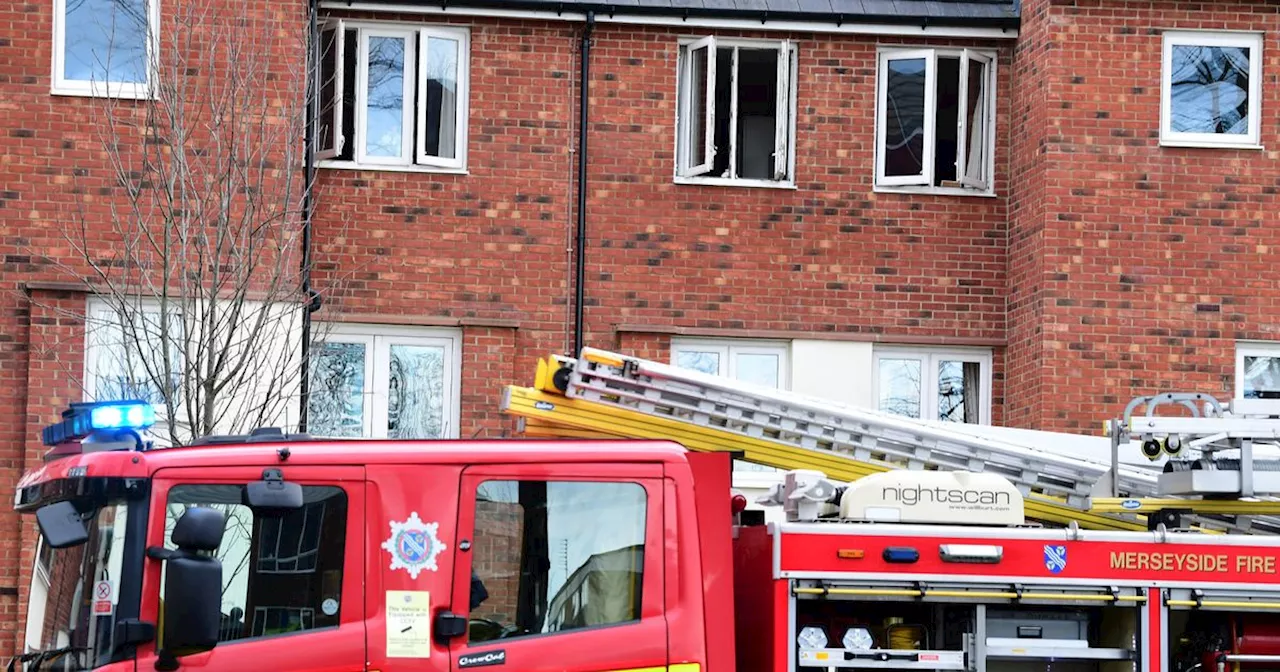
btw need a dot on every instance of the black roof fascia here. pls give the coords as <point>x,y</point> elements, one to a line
<point>688,12</point>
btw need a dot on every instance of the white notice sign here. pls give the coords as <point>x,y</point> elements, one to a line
<point>408,624</point>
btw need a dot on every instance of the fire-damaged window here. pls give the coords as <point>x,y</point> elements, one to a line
<point>1211,89</point>
<point>736,116</point>
<point>392,95</point>
<point>935,120</point>
<point>555,556</point>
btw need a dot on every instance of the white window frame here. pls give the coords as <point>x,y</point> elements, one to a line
<point>378,340</point>
<point>103,89</point>
<point>413,156</point>
<point>981,185</point>
<point>362,97</point>
<point>1251,349</point>
<point>1253,41</point>
<point>338,28</point>
<point>96,310</point>
<point>460,119</point>
<point>728,349</point>
<point>929,358</point>
<point>784,152</point>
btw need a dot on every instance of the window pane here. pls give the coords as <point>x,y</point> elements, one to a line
<point>958,391</point>
<point>1209,90</point>
<point>105,41</point>
<point>305,596</point>
<point>761,369</point>
<point>336,405</point>
<point>975,116</point>
<point>706,362</point>
<point>698,106</point>
<point>442,97</point>
<point>904,117</point>
<point>415,394</point>
<point>128,355</point>
<point>384,122</point>
<point>1261,376</point>
<point>550,557</point>
<point>328,83</point>
<point>900,386</point>
<point>757,80</point>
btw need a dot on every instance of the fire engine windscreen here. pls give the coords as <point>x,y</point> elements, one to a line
<point>75,591</point>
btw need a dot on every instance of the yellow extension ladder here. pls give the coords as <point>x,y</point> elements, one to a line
<point>604,394</point>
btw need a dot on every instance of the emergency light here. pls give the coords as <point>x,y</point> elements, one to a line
<point>88,418</point>
<point>971,553</point>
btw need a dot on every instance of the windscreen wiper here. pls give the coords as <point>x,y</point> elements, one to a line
<point>42,656</point>
<point>26,657</point>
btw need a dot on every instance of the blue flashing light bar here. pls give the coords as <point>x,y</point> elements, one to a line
<point>85,419</point>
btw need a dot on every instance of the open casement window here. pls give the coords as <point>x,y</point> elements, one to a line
<point>935,119</point>
<point>974,136</point>
<point>440,94</point>
<point>782,112</point>
<point>735,117</point>
<point>699,109</point>
<point>329,72</point>
<point>392,95</point>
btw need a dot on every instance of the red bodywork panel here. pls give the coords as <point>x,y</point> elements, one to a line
<point>712,482</point>
<point>687,552</point>
<point>1118,557</point>
<point>760,603</point>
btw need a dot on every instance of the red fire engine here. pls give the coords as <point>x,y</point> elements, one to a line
<point>290,553</point>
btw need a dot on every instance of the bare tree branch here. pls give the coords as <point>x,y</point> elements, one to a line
<point>193,250</point>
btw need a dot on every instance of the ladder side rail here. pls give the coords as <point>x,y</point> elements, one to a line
<point>790,419</point>
<point>1243,524</point>
<point>1032,474</point>
<point>888,425</point>
<point>1134,482</point>
<point>837,414</point>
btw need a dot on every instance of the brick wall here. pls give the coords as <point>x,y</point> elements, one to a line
<point>1030,115</point>
<point>1134,266</point>
<point>830,257</point>
<point>62,207</point>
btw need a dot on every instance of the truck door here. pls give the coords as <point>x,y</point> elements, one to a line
<point>292,596</point>
<point>560,567</point>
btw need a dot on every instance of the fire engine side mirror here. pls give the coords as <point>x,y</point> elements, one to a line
<point>192,586</point>
<point>61,525</point>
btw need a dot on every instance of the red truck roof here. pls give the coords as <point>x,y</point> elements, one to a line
<point>358,451</point>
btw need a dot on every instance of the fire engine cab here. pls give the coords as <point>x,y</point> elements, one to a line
<point>603,547</point>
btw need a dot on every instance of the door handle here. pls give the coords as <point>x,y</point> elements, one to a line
<point>447,626</point>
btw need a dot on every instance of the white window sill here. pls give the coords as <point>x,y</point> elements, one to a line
<point>934,191</point>
<point>727,182</point>
<point>1212,144</point>
<point>119,91</point>
<point>352,165</point>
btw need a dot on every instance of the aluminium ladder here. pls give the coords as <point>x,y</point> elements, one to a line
<point>612,395</point>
